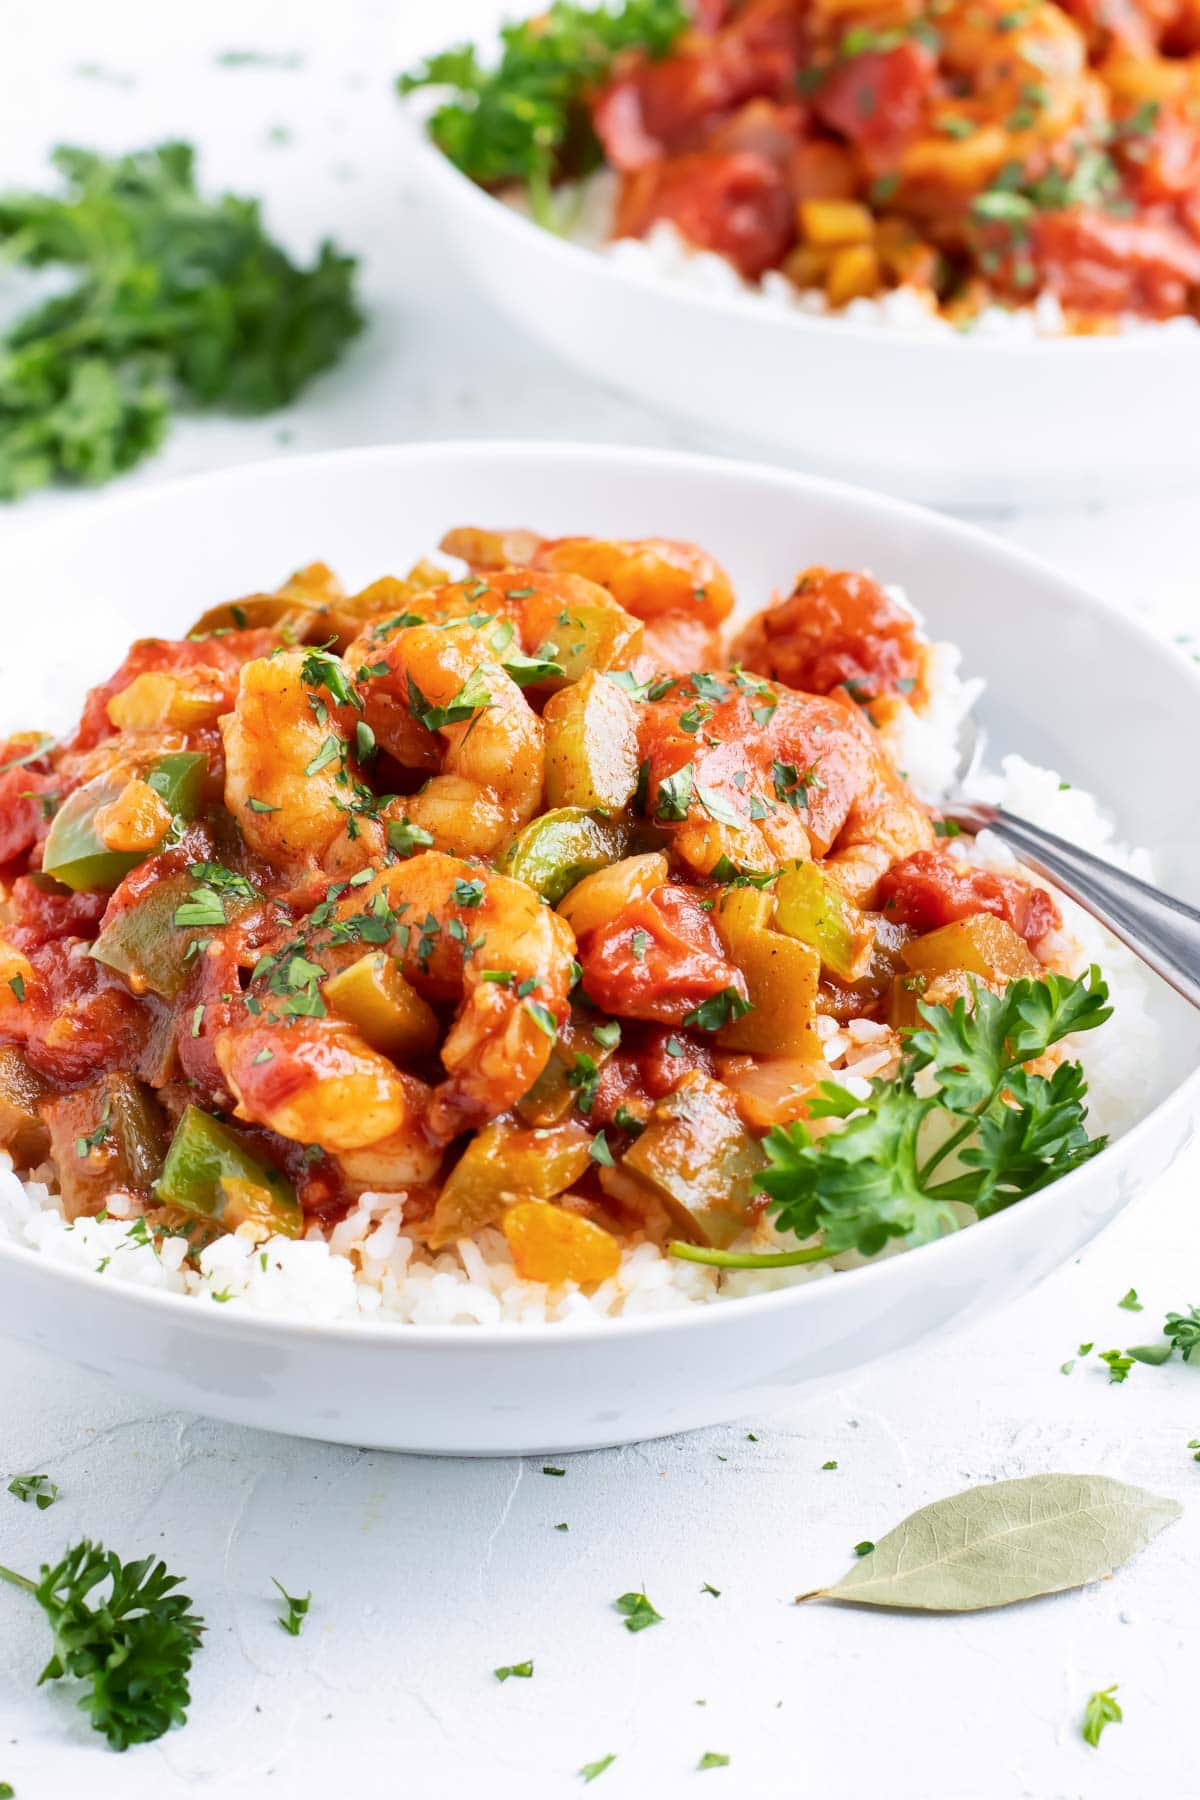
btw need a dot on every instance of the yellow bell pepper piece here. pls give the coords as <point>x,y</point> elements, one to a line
<point>835,222</point>
<point>551,1245</point>
<point>809,906</point>
<point>782,977</point>
<point>506,1158</point>
<point>374,996</point>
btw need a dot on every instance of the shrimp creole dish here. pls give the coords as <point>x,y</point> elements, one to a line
<point>530,944</point>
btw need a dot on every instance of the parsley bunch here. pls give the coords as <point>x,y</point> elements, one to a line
<point>133,1649</point>
<point>961,1093</point>
<point>178,297</point>
<point>526,119</point>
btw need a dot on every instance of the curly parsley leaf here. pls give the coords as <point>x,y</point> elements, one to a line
<point>979,1128</point>
<point>132,1648</point>
<point>178,298</point>
<point>526,120</point>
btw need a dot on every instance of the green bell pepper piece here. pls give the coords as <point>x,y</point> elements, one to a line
<point>177,780</point>
<point>75,853</point>
<point>560,848</point>
<point>204,1155</point>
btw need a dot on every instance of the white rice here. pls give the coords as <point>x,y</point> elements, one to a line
<point>370,1270</point>
<point>589,207</point>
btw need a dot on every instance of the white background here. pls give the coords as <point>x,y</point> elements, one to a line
<point>427,1574</point>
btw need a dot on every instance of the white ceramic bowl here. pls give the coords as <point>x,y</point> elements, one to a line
<point>957,420</point>
<point>1063,668</point>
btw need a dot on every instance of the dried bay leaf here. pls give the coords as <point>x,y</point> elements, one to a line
<point>1005,1541</point>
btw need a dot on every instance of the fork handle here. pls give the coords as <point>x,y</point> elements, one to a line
<point>1163,931</point>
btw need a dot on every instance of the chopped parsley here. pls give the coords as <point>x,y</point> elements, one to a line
<point>292,1621</point>
<point>404,837</point>
<point>472,697</point>
<point>17,984</point>
<point>675,793</point>
<point>1101,1710</point>
<point>638,1612</point>
<point>1130,1302</point>
<point>865,1548</point>
<point>719,1009</point>
<point>713,1759</point>
<point>590,1770</point>
<point>522,1669</point>
<point>38,1488</point>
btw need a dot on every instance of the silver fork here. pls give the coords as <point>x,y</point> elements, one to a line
<point>1163,931</point>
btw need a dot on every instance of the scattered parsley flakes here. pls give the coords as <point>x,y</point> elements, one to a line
<point>719,1009</point>
<point>404,837</point>
<point>38,1488</point>
<point>600,1152</point>
<point>831,1464</point>
<point>17,984</point>
<point>549,1469</point>
<point>708,1588</point>
<point>639,1613</point>
<point>1101,1710</point>
<point>297,1609</point>
<point>522,1669</point>
<point>675,793</point>
<point>542,1017</point>
<point>590,1770</point>
<point>639,943</point>
<point>865,1548</point>
<point>1118,1365</point>
<point>713,1759</point>
<point>1130,1302</point>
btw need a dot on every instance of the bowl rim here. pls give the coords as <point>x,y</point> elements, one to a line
<point>1145,343</point>
<point>465,1338</point>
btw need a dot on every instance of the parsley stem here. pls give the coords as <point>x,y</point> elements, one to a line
<point>746,1259</point>
<point>21,1581</point>
<point>952,1142</point>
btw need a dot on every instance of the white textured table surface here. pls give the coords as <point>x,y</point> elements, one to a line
<point>426,1575</point>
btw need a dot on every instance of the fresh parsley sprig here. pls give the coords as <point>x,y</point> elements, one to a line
<point>526,120</point>
<point>962,1121</point>
<point>178,297</point>
<point>132,1648</point>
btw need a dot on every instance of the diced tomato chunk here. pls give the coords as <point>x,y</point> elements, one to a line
<point>838,629</point>
<point>732,202</point>
<point>1099,264</point>
<point>653,109</point>
<point>878,99</point>
<point>658,959</point>
<point>932,888</point>
<point>43,914</point>
<point>222,655</point>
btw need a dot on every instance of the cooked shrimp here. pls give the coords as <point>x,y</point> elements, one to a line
<point>464,933</point>
<point>564,619</point>
<point>285,769</point>
<point>1011,81</point>
<point>747,770</point>
<point>315,1081</point>
<point>459,932</point>
<point>423,683</point>
<point>680,591</point>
